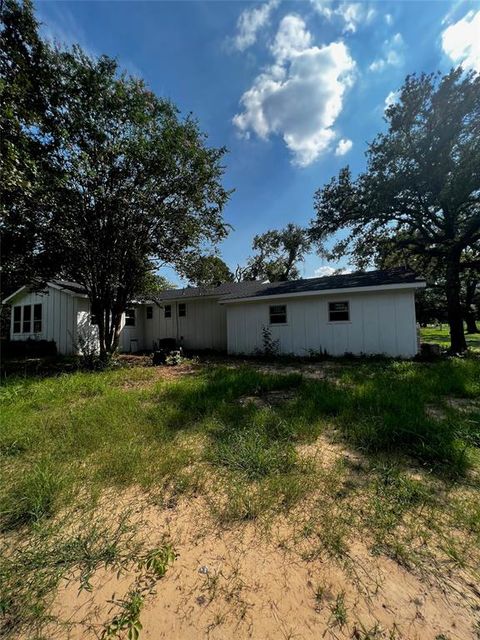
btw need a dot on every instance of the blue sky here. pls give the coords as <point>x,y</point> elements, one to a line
<point>295,90</point>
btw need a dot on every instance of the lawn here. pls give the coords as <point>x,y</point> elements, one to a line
<point>384,453</point>
<point>441,336</point>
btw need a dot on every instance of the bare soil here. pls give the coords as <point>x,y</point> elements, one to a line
<point>248,582</point>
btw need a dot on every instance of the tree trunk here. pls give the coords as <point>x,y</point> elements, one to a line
<point>471,322</point>
<point>469,306</point>
<point>454,306</point>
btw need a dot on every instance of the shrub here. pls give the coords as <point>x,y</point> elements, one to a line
<point>270,346</point>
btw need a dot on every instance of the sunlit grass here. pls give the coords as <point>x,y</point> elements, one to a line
<point>66,440</point>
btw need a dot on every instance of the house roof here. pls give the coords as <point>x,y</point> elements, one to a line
<point>73,287</point>
<point>218,291</point>
<point>371,279</point>
<point>229,291</point>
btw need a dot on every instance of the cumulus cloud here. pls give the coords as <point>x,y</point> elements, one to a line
<point>392,54</point>
<point>300,95</point>
<point>343,147</point>
<point>461,41</point>
<point>250,22</point>
<point>353,14</point>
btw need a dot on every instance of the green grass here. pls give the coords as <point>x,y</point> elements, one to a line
<point>441,336</point>
<point>65,440</point>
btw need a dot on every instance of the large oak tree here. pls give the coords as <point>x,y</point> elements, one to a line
<point>421,188</point>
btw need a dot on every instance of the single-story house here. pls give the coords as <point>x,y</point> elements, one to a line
<point>360,313</point>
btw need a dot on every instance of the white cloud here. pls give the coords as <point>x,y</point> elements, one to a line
<point>388,19</point>
<point>300,95</point>
<point>461,41</point>
<point>321,272</point>
<point>343,147</point>
<point>391,98</point>
<point>353,14</point>
<point>250,22</point>
<point>324,271</point>
<point>392,54</point>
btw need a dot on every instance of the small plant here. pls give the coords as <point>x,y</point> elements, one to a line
<point>339,610</point>
<point>174,358</point>
<point>158,560</point>
<point>270,345</point>
<point>128,620</point>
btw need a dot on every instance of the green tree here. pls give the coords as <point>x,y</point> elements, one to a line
<point>206,271</point>
<point>151,285</point>
<point>101,179</point>
<point>421,188</point>
<point>139,184</point>
<point>27,138</point>
<point>277,254</point>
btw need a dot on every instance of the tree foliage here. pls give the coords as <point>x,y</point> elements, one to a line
<point>133,183</point>
<point>27,126</point>
<point>277,254</point>
<point>207,271</point>
<point>421,189</point>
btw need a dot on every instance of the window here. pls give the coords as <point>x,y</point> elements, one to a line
<point>37,318</point>
<point>27,318</point>
<point>149,313</point>
<point>182,310</point>
<point>168,310</point>
<point>130,317</point>
<point>17,319</point>
<point>278,314</point>
<point>338,312</point>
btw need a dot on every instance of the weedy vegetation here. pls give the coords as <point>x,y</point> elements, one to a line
<point>244,438</point>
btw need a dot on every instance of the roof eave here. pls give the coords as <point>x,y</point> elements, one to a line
<point>325,292</point>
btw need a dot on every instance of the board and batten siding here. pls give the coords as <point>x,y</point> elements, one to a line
<point>59,313</point>
<point>380,323</point>
<point>203,327</point>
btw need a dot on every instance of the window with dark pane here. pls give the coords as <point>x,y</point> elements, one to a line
<point>168,310</point>
<point>182,310</point>
<point>27,319</point>
<point>338,312</point>
<point>278,314</point>
<point>149,313</point>
<point>17,319</point>
<point>37,318</point>
<point>130,318</point>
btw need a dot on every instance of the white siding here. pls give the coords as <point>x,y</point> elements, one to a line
<point>58,318</point>
<point>203,327</point>
<point>380,323</point>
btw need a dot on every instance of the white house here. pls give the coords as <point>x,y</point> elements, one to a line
<point>360,313</point>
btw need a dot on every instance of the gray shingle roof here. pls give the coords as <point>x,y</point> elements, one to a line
<point>70,286</point>
<point>233,290</point>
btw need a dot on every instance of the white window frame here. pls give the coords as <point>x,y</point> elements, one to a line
<point>184,305</point>
<point>19,321</point>
<point>169,313</point>
<point>270,314</point>
<point>36,320</point>
<point>334,321</point>
<point>133,317</point>
<point>149,312</point>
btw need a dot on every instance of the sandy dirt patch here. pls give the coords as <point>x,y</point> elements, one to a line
<point>251,582</point>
